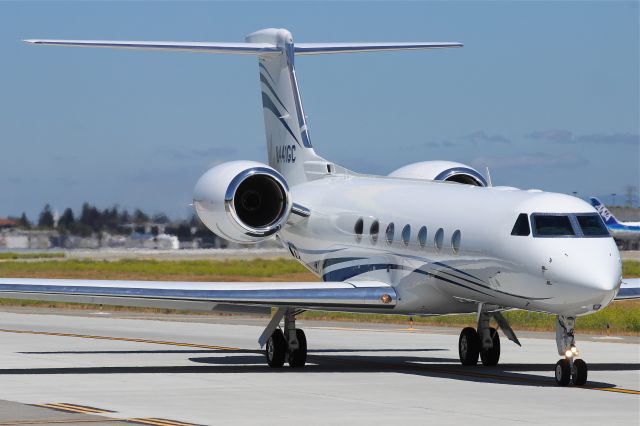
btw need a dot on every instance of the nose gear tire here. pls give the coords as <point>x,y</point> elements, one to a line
<point>563,372</point>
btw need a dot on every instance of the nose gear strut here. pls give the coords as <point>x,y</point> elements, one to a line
<point>570,369</point>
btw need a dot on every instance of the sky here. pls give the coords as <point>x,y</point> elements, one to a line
<point>546,94</point>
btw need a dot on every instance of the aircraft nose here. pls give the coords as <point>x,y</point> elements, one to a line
<point>601,272</point>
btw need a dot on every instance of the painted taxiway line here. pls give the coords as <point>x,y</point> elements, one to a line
<point>83,409</point>
<point>121,339</point>
<point>411,366</point>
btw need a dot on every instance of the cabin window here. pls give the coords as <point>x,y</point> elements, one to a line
<point>374,230</point>
<point>521,228</point>
<point>357,229</point>
<point>439,238</point>
<point>406,234</point>
<point>551,225</point>
<point>455,241</point>
<point>422,237</point>
<point>592,225</point>
<point>389,233</point>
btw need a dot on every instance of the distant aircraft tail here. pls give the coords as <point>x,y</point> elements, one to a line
<point>288,142</point>
<point>606,215</point>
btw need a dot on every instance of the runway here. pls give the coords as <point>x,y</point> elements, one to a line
<point>106,368</point>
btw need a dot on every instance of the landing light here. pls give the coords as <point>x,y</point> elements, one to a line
<point>385,298</point>
<point>574,350</point>
<point>568,353</point>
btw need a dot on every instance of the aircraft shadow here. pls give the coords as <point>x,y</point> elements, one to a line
<point>250,361</point>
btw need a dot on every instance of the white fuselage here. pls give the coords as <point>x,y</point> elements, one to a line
<point>567,275</point>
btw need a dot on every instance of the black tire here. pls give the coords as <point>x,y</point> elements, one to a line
<point>579,373</point>
<point>563,372</point>
<point>298,358</point>
<point>490,357</point>
<point>469,346</point>
<point>276,349</point>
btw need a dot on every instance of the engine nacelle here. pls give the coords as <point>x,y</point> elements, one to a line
<point>242,201</point>
<point>447,171</point>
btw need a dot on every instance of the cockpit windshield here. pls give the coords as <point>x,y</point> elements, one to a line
<point>591,225</point>
<point>551,225</point>
<point>580,225</point>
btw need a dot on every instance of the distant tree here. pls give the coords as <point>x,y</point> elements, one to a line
<point>140,217</point>
<point>46,217</point>
<point>91,217</point>
<point>23,222</point>
<point>67,220</point>
<point>124,218</point>
<point>110,219</point>
<point>160,218</point>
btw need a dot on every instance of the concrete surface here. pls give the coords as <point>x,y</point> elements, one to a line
<point>208,371</point>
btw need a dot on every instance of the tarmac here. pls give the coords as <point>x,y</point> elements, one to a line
<point>86,367</point>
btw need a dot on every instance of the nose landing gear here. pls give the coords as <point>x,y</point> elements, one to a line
<point>570,369</point>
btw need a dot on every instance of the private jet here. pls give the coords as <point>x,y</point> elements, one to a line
<point>431,238</point>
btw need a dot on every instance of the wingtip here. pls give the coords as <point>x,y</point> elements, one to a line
<point>30,41</point>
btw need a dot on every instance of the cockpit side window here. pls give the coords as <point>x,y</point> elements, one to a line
<point>591,225</point>
<point>550,225</point>
<point>521,227</point>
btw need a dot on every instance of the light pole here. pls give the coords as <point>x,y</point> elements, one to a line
<point>613,195</point>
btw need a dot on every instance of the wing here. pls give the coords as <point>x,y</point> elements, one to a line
<point>208,296</point>
<point>630,289</point>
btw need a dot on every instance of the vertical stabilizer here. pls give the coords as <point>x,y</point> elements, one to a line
<point>288,141</point>
<point>606,215</point>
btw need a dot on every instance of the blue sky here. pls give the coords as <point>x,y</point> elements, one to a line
<point>545,93</point>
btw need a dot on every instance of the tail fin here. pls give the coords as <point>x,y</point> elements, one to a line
<point>606,215</point>
<point>288,142</point>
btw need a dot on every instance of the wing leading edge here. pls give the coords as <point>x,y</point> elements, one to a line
<point>205,295</point>
<point>629,289</point>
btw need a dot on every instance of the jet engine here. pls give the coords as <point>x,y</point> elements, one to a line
<point>242,201</point>
<point>447,171</point>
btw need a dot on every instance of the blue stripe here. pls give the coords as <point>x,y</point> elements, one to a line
<point>261,65</point>
<point>268,104</point>
<point>273,92</point>
<point>352,271</point>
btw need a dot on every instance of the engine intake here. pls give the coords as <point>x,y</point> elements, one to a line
<point>446,171</point>
<point>243,201</point>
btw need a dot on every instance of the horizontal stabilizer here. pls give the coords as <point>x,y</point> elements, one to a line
<point>247,48</point>
<point>203,47</point>
<point>326,48</point>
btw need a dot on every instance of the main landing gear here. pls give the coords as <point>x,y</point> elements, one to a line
<point>288,346</point>
<point>485,342</point>
<point>570,369</point>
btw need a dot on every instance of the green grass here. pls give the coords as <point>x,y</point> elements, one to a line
<point>630,268</point>
<point>617,318</point>
<point>195,268</point>
<point>27,255</point>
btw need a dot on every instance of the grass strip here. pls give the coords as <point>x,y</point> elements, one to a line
<point>10,255</point>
